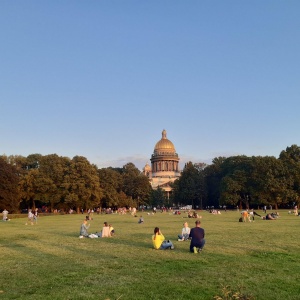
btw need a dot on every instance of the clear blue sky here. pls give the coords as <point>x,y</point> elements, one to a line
<point>102,79</point>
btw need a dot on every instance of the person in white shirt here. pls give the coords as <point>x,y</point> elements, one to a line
<point>4,214</point>
<point>184,233</point>
<point>30,217</point>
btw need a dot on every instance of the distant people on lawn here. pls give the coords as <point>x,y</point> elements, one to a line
<point>141,220</point>
<point>193,214</point>
<point>35,215</point>
<point>133,212</point>
<point>30,217</point>
<point>197,235</point>
<point>271,217</point>
<point>245,216</point>
<point>185,232</point>
<point>253,213</point>
<point>159,242</point>
<point>5,215</point>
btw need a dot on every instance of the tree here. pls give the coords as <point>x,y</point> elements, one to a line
<point>235,188</point>
<point>82,185</point>
<point>33,161</point>
<point>111,183</point>
<point>18,161</point>
<point>213,176</point>
<point>135,184</point>
<point>28,187</point>
<point>53,169</point>
<point>9,191</point>
<point>291,159</point>
<point>157,197</point>
<point>273,181</point>
<point>190,187</point>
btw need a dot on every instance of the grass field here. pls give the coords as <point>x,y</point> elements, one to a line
<point>48,260</point>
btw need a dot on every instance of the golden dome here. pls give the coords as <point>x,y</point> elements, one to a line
<point>164,144</point>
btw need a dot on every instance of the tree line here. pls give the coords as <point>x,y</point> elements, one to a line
<point>242,181</point>
<point>63,183</point>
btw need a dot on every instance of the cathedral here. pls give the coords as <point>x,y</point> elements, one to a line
<point>164,167</point>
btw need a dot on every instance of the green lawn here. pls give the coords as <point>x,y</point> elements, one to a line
<point>49,261</point>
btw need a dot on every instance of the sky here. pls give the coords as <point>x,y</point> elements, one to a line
<point>102,79</point>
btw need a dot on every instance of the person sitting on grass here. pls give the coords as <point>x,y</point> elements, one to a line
<point>111,229</point>
<point>159,242</point>
<point>84,229</point>
<point>184,233</point>
<point>105,232</point>
<point>141,220</point>
<point>197,235</point>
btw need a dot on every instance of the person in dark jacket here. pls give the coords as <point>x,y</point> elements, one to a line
<point>197,238</point>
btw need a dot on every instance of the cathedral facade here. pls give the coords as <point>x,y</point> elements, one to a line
<point>164,167</point>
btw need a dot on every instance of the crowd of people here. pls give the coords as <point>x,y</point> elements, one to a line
<point>196,235</point>
<point>249,216</point>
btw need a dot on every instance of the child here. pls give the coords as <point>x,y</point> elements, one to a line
<point>141,220</point>
<point>184,233</point>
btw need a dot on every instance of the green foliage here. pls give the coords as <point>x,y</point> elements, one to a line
<point>158,198</point>
<point>9,191</point>
<point>136,185</point>
<point>60,182</point>
<point>291,159</point>
<point>124,187</point>
<point>213,177</point>
<point>246,181</point>
<point>111,182</point>
<point>82,184</point>
<point>190,188</point>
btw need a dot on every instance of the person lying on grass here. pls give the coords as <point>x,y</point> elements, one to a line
<point>270,217</point>
<point>159,242</point>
